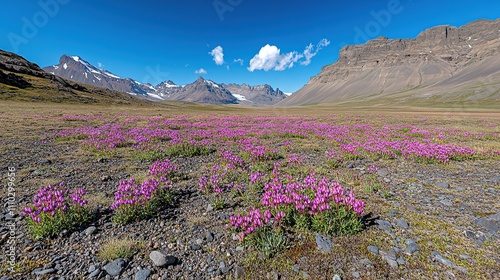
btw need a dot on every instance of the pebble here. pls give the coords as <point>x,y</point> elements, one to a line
<point>94,273</point>
<point>383,172</point>
<point>238,272</point>
<point>142,274</point>
<point>412,247</point>
<point>438,257</point>
<point>402,224</point>
<point>382,224</point>
<point>115,267</point>
<point>90,230</point>
<point>336,277</point>
<point>39,271</point>
<point>324,243</point>
<point>442,185</point>
<point>160,259</point>
<point>446,202</point>
<point>209,237</point>
<point>373,249</point>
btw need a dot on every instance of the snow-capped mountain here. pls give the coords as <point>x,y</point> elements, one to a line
<point>201,91</point>
<point>79,70</point>
<point>205,91</point>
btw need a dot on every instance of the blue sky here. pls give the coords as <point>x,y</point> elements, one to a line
<point>276,42</point>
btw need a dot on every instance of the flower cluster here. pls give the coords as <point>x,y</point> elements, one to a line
<point>255,219</point>
<point>311,196</point>
<point>52,211</point>
<point>51,200</point>
<point>163,169</point>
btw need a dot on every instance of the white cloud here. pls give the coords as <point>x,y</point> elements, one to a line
<point>310,52</point>
<point>270,57</point>
<point>239,60</point>
<point>201,71</point>
<point>218,55</point>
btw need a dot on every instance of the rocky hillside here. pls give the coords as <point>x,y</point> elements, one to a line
<point>443,63</point>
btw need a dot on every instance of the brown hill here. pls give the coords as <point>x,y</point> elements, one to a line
<point>443,64</point>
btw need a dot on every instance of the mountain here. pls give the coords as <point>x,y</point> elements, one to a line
<point>201,91</point>
<point>79,70</point>
<point>443,64</point>
<point>22,80</point>
<point>260,95</point>
<point>204,91</point>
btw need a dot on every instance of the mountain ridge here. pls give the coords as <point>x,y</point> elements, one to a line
<point>443,62</point>
<point>76,68</point>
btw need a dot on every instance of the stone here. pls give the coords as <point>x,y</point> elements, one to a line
<point>160,259</point>
<point>194,247</point>
<point>105,178</point>
<point>115,267</point>
<point>324,243</point>
<point>336,277</point>
<point>446,202</point>
<point>238,272</point>
<point>210,208</point>
<point>209,237</point>
<point>492,225</point>
<point>366,262</point>
<point>439,258</point>
<point>91,269</point>
<point>44,271</point>
<point>355,274</point>
<point>382,172</point>
<point>382,224</point>
<point>373,249</point>
<point>240,248</point>
<point>442,185</point>
<point>142,274</point>
<point>402,224</point>
<point>95,273</point>
<point>296,268</point>
<point>90,230</point>
<point>412,247</point>
<point>470,234</point>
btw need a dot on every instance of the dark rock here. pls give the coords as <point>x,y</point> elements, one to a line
<point>209,237</point>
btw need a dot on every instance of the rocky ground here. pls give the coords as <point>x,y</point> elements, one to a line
<point>427,221</point>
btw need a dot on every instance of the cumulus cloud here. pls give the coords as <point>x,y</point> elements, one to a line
<point>201,71</point>
<point>218,54</point>
<point>239,60</point>
<point>271,58</point>
<point>310,51</point>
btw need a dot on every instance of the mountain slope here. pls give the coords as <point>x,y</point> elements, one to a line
<point>22,80</point>
<point>79,70</point>
<point>443,63</point>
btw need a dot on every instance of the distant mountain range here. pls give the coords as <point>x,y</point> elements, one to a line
<point>443,64</point>
<point>200,91</point>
